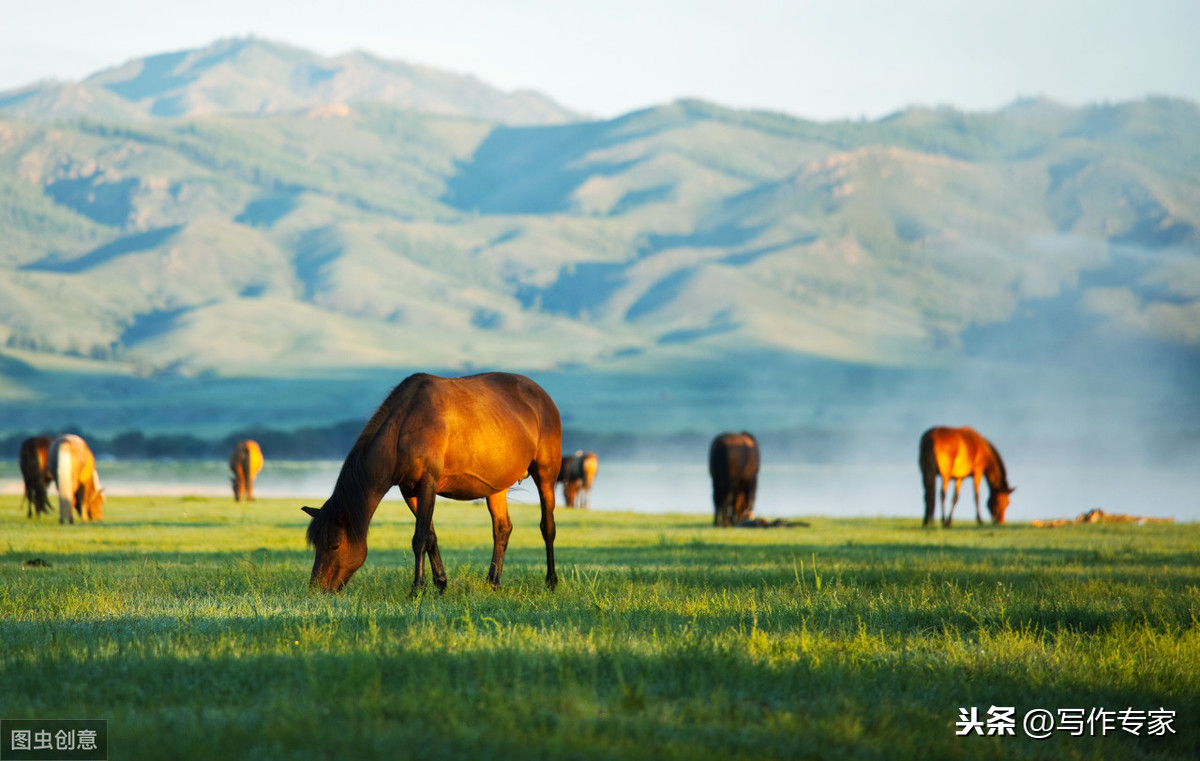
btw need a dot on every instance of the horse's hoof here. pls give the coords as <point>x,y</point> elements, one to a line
<point>552,582</point>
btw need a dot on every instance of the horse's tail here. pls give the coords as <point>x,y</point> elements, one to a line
<point>41,499</point>
<point>66,485</point>
<point>928,461</point>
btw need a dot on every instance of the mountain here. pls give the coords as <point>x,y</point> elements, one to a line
<point>334,233</point>
<point>251,76</point>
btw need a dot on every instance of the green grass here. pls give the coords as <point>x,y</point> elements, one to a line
<point>187,624</point>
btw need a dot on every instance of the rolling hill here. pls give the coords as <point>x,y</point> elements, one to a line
<point>250,210</point>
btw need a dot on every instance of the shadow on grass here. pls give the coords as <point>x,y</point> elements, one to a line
<point>356,694</point>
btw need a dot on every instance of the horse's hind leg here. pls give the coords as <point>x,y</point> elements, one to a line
<point>751,492</point>
<point>501,529</point>
<point>544,478</point>
<point>978,516</point>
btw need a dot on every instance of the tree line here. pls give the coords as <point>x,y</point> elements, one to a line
<point>330,442</point>
<point>333,442</point>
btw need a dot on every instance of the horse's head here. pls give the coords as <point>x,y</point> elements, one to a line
<point>998,503</point>
<point>94,507</point>
<point>338,555</point>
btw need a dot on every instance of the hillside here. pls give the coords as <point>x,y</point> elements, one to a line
<point>315,238</point>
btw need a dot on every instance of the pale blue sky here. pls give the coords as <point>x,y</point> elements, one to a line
<point>823,59</point>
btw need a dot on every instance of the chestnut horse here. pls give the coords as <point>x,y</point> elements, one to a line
<point>461,438</point>
<point>577,475</point>
<point>71,463</point>
<point>733,461</point>
<point>34,451</point>
<point>245,462</point>
<point>954,454</point>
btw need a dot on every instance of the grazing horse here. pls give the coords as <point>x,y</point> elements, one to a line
<point>461,438</point>
<point>71,463</point>
<point>733,461</point>
<point>954,454</point>
<point>245,462</point>
<point>33,455</point>
<point>577,475</point>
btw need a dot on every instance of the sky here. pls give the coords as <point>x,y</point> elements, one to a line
<point>820,59</point>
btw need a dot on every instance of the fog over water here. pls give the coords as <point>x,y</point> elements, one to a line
<point>786,490</point>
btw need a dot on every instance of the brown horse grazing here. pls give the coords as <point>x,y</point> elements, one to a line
<point>462,438</point>
<point>577,475</point>
<point>954,454</point>
<point>34,451</point>
<point>245,462</point>
<point>733,460</point>
<point>71,463</point>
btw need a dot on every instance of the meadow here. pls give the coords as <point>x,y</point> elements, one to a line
<point>187,623</point>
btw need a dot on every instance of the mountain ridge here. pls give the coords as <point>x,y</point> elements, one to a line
<point>253,76</point>
<point>344,236</point>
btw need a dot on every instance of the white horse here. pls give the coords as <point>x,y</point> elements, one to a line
<point>73,466</point>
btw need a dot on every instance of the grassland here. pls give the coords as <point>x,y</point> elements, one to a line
<point>187,624</point>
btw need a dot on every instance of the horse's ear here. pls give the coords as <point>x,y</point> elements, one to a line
<point>312,511</point>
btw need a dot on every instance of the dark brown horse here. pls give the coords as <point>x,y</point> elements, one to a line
<point>733,461</point>
<point>953,454</point>
<point>461,438</point>
<point>33,455</point>
<point>577,475</point>
<point>245,462</point>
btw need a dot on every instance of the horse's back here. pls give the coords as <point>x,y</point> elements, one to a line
<point>957,452</point>
<point>591,466</point>
<point>73,450</point>
<point>493,401</point>
<point>734,454</point>
<point>247,457</point>
<point>490,428</point>
<point>254,457</point>
<point>34,458</point>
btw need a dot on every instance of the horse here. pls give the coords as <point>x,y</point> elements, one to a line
<point>34,451</point>
<point>71,463</point>
<point>954,454</point>
<point>733,460</point>
<point>577,475</point>
<point>461,438</point>
<point>245,462</point>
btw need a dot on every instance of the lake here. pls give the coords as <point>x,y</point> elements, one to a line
<point>786,490</point>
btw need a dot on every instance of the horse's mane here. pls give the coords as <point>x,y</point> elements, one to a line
<point>350,491</point>
<point>999,466</point>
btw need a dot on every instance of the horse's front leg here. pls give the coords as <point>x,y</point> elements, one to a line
<point>425,495</point>
<point>978,516</point>
<point>953,503</point>
<point>432,551</point>
<point>501,529</point>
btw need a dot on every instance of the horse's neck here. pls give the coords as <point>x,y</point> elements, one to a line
<point>362,484</point>
<point>994,473</point>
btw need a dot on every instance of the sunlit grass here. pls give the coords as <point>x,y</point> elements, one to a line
<point>186,622</point>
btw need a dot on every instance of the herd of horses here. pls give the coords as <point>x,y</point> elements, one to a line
<point>68,463</point>
<point>473,438</point>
